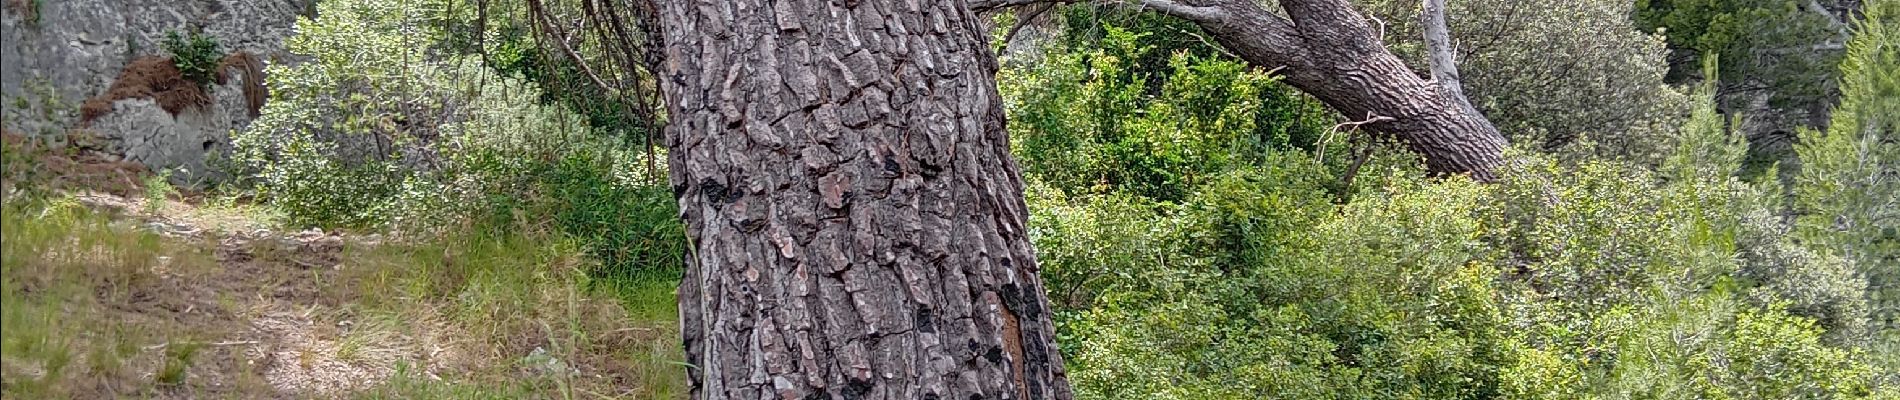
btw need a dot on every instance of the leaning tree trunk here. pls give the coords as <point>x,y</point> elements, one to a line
<point>1332,52</point>
<point>857,223</point>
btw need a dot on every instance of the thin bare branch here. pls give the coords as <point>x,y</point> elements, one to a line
<point>1441,56</point>
<point>1029,16</point>
<point>1199,14</point>
<point>560,37</point>
<point>1320,149</point>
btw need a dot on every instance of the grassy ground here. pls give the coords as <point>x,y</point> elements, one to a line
<point>141,295</point>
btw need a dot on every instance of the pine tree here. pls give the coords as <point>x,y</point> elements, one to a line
<point>1846,192</point>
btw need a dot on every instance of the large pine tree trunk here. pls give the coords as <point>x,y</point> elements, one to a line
<point>857,223</point>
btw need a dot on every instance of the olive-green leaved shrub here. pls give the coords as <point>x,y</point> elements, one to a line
<point>1598,280</point>
<point>1553,73</point>
<point>1847,191</point>
<point>1092,245</point>
<point>195,54</point>
<point>1287,296</point>
<point>346,129</point>
<point>1775,355</point>
<point>1629,285</point>
<point>1700,173</point>
<point>378,130</point>
<point>1764,46</point>
<point>1597,235</point>
<point>1707,345</point>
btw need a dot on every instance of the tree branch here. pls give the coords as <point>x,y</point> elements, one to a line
<point>1198,14</point>
<point>1245,29</point>
<point>547,23</point>
<point>984,6</point>
<point>1441,56</point>
<point>1333,24</point>
<point>1025,19</point>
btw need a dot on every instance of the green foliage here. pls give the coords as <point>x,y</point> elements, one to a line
<point>1191,254</point>
<point>1554,73</point>
<point>1558,282</point>
<point>1845,190</point>
<point>196,55</point>
<point>1779,356</point>
<point>378,131</point>
<point>1122,114</point>
<point>1751,38</point>
<point>177,362</point>
<point>514,44</point>
<point>1706,145</point>
<point>1585,278</point>
<point>158,190</point>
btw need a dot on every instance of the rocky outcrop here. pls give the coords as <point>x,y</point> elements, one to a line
<point>58,54</point>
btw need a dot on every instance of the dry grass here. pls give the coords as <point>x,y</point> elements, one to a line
<point>514,313</point>
<point>31,164</point>
<point>148,77</point>
<point>165,296</point>
<point>100,308</point>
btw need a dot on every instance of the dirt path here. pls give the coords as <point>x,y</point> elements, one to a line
<point>269,324</point>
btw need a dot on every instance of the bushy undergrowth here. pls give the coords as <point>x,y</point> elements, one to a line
<point>1847,192</point>
<point>1559,282</point>
<point>1119,113</point>
<point>1570,277</point>
<point>380,130</point>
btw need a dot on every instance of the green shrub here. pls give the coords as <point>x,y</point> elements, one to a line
<point>1191,256</point>
<point>1559,281</point>
<point>196,55</point>
<point>1123,114</point>
<point>377,131</point>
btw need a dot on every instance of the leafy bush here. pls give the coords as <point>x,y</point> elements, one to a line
<point>196,55</point>
<point>1845,189</point>
<point>378,131</point>
<point>1579,277</point>
<point>1556,283</point>
<point>1127,115</point>
<point>1554,74</point>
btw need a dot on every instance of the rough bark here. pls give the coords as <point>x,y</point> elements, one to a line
<point>857,223</point>
<point>1332,52</point>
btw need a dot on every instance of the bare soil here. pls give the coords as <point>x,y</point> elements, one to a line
<point>255,318</point>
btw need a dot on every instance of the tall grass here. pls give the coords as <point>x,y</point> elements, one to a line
<point>93,310</point>
<point>523,314</point>
<point>68,278</point>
